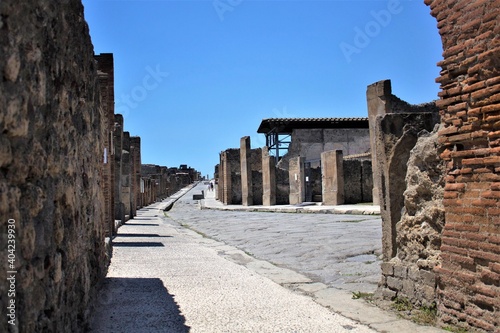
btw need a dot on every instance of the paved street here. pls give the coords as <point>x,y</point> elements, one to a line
<point>338,250</point>
<point>166,277</point>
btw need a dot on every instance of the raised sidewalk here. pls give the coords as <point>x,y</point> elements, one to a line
<point>209,202</point>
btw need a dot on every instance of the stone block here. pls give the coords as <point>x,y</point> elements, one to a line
<point>400,271</point>
<point>387,268</point>
<point>389,294</point>
<point>413,273</point>
<point>394,283</point>
<point>428,278</point>
<point>409,289</point>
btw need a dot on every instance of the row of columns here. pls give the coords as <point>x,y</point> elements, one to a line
<point>236,181</point>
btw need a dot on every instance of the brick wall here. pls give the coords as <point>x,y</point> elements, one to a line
<point>468,278</point>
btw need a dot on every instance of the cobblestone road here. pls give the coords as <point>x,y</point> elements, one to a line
<point>340,251</point>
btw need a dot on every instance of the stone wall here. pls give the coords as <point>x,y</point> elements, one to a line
<point>105,65</point>
<point>408,174</point>
<point>282,186</point>
<point>135,150</point>
<point>469,274</point>
<point>310,143</point>
<point>51,155</point>
<point>358,180</point>
<point>418,233</point>
<point>230,177</point>
<point>256,169</point>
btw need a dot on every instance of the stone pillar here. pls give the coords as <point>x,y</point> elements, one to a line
<point>126,175</point>
<point>135,150</point>
<point>378,101</point>
<point>117,141</point>
<point>226,179</point>
<point>396,135</point>
<point>220,180</point>
<point>246,172</point>
<point>106,83</point>
<point>268,178</point>
<point>297,184</point>
<point>333,177</point>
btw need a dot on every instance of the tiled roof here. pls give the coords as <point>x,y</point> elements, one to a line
<point>286,125</point>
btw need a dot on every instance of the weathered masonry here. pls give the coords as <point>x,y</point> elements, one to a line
<point>52,139</point>
<point>69,174</point>
<point>309,139</point>
<point>309,171</point>
<point>408,178</point>
<point>445,247</point>
<point>469,274</point>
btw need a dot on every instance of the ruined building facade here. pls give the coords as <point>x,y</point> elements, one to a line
<point>469,274</point>
<point>52,126</point>
<point>69,173</point>
<point>441,239</point>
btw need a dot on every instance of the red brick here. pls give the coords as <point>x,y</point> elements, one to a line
<point>490,177</point>
<point>495,267</point>
<point>495,239</point>
<point>482,170</point>
<point>462,226</point>
<point>480,324</point>
<point>448,130</point>
<point>450,195</point>
<point>485,202</point>
<point>493,212</point>
<point>474,87</point>
<point>474,236</point>
<point>494,134</point>
<point>490,108</point>
<point>484,255</point>
<point>473,161</point>
<point>457,107</point>
<point>455,187</point>
<point>478,186</point>
<point>491,194</point>
<point>489,277</point>
<point>485,290</point>
<point>492,248</point>
<point>493,80</point>
<point>450,233</point>
<point>466,210</point>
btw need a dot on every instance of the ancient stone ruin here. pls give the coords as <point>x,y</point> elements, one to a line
<point>308,170</point>
<point>70,174</point>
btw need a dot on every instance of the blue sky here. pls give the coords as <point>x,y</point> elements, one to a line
<point>193,77</point>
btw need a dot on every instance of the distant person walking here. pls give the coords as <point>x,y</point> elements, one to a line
<point>211,186</point>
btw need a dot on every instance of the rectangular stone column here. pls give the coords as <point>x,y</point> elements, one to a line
<point>106,82</point>
<point>246,172</point>
<point>268,178</point>
<point>332,170</point>
<point>297,180</point>
<point>117,142</point>
<point>378,101</point>
<point>135,150</point>
<point>126,176</point>
<point>226,179</point>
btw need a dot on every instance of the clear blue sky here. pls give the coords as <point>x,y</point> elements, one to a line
<point>193,77</point>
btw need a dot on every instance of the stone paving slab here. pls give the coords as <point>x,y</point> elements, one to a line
<point>336,249</point>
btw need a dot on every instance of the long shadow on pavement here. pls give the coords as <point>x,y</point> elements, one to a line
<point>136,305</point>
<point>138,244</point>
